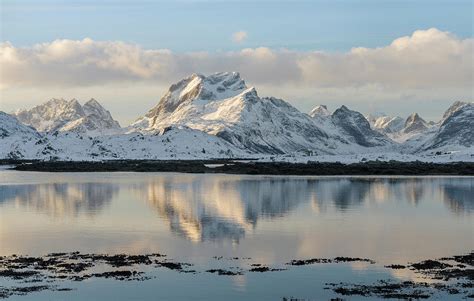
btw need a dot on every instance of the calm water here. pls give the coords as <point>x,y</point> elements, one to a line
<point>271,220</point>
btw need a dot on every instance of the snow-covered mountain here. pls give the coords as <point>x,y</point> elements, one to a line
<point>62,115</point>
<point>456,129</point>
<point>388,124</point>
<point>373,117</point>
<point>358,129</point>
<point>16,139</point>
<point>222,105</point>
<point>218,116</point>
<point>320,111</point>
<point>414,124</point>
<point>351,125</point>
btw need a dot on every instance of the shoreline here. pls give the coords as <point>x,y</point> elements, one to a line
<point>251,167</point>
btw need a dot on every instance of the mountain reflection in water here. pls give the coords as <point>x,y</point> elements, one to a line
<point>60,199</point>
<point>222,207</point>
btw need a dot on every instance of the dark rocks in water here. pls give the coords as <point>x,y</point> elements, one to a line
<point>384,289</point>
<point>396,266</point>
<point>171,265</point>
<point>463,259</point>
<point>223,272</point>
<point>326,260</point>
<point>6,292</point>
<point>17,275</point>
<point>120,275</point>
<point>448,274</point>
<point>352,259</point>
<point>75,266</point>
<point>309,261</point>
<point>118,260</point>
<point>429,265</point>
<point>262,269</point>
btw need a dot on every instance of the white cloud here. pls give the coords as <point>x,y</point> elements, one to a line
<point>426,59</point>
<point>427,65</point>
<point>239,36</point>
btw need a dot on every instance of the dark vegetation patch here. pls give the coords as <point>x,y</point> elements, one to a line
<point>252,167</point>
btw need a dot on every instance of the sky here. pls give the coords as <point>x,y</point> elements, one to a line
<point>391,56</point>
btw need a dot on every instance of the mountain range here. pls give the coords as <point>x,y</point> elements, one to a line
<point>219,116</point>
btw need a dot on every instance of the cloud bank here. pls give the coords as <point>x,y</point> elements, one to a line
<point>427,58</point>
<point>428,65</point>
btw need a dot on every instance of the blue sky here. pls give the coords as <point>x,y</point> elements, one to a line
<point>208,25</point>
<point>416,56</point>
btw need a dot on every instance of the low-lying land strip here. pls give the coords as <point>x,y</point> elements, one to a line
<point>251,167</point>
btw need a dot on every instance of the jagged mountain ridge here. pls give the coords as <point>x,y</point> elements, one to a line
<point>62,115</point>
<point>415,124</point>
<point>455,129</point>
<point>218,115</point>
<point>16,139</point>
<point>222,105</point>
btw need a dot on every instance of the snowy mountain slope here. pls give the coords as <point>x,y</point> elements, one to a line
<point>387,124</point>
<point>16,139</point>
<point>456,129</point>
<point>352,126</point>
<point>21,142</point>
<point>320,111</point>
<point>414,128</point>
<point>195,87</point>
<point>414,124</point>
<point>357,128</point>
<point>51,115</point>
<point>222,105</point>
<point>62,115</point>
<point>172,143</point>
<point>373,117</point>
<point>218,116</point>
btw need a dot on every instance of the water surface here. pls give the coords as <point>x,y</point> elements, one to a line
<point>260,219</point>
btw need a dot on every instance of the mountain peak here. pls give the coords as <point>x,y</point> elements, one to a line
<point>59,114</point>
<point>198,87</point>
<point>453,108</point>
<point>415,123</point>
<point>92,102</point>
<point>414,117</point>
<point>319,111</point>
<point>357,127</point>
